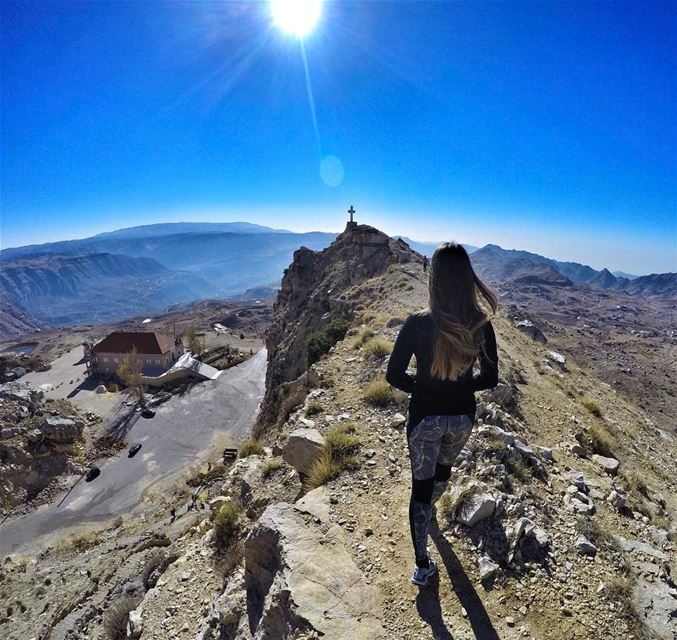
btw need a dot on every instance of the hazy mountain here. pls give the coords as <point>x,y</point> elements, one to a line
<point>173,228</point>
<point>496,264</point>
<point>499,264</point>
<point>663,284</point>
<point>427,248</point>
<point>15,321</point>
<point>622,274</point>
<point>230,262</point>
<point>94,287</point>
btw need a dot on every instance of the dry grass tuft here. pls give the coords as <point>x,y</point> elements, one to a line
<point>362,338</point>
<point>378,348</point>
<point>270,467</point>
<point>378,393</point>
<point>601,440</point>
<point>250,447</point>
<point>592,406</point>
<point>226,522</point>
<point>341,443</point>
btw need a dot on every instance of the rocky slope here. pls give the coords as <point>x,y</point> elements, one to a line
<point>558,522</point>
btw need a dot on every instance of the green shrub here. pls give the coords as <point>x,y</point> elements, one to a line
<point>377,348</point>
<point>226,522</point>
<point>250,447</point>
<point>321,341</point>
<point>592,406</point>
<point>378,393</point>
<point>269,467</point>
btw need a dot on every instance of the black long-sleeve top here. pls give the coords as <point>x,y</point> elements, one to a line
<point>430,395</point>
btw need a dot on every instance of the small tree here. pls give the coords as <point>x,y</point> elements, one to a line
<point>130,371</point>
<point>193,341</point>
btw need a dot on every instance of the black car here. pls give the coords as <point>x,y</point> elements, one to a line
<point>134,449</point>
<point>147,413</point>
<point>92,474</point>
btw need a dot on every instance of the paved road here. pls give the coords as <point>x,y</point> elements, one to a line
<point>182,433</point>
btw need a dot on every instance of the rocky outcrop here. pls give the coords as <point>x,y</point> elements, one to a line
<point>300,578</point>
<point>314,290</point>
<point>302,449</point>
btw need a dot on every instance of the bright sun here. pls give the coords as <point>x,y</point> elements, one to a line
<point>298,17</point>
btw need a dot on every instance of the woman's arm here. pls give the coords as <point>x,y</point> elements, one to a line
<point>488,376</point>
<point>397,374</point>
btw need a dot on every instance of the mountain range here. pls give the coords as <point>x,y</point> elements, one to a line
<point>145,269</point>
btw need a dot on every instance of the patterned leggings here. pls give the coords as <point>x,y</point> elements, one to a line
<point>434,444</point>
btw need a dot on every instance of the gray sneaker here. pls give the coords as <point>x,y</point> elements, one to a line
<point>421,574</point>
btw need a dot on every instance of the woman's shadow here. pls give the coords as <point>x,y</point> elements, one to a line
<point>428,599</point>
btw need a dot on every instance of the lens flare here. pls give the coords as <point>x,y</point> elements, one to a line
<point>297,17</point>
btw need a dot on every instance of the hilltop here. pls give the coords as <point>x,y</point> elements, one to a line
<point>558,522</point>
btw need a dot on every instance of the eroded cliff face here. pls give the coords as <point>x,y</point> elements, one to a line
<point>317,287</point>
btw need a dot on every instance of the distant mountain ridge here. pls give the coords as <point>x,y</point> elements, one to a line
<point>87,288</point>
<point>147,268</point>
<point>492,261</point>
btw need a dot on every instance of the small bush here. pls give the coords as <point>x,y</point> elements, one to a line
<point>250,447</point>
<point>341,441</point>
<point>394,322</point>
<point>323,470</point>
<point>226,522</point>
<point>269,467</point>
<point>378,393</point>
<point>363,337</point>
<point>601,442</point>
<point>377,348</point>
<point>636,483</point>
<point>323,340</point>
<point>314,408</point>
<point>116,617</point>
<point>592,406</point>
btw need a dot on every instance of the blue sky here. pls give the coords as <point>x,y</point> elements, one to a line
<point>544,126</point>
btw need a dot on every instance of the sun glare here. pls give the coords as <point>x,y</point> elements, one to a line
<point>297,17</point>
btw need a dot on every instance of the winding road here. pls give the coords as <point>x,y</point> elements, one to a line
<point>183,432</point>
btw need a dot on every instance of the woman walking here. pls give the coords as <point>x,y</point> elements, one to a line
<point>446,339</point>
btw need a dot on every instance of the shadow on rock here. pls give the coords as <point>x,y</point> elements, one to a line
<point>477,615</point>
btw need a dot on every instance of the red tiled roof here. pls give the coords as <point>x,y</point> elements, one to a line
<point>146,342</point>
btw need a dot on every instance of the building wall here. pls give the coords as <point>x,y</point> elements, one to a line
<point>107,363</point>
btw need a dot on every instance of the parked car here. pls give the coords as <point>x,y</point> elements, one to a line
<point>147,413</point>
<point>134,449</point>
<point>92,474</point>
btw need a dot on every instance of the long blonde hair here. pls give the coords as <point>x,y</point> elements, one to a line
<point>455,293</point>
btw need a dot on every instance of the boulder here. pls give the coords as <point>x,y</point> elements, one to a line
<point>11,432</point>
<point>60,429</point>
<point>584,546</point>
<point>501,394</point>
<point>100,389</point>
<point>610,465</point>
<point>475,508</point>
<point>487,568</point>
<point>532,331</point>
<point>302,449</point>
<point>299,577</point>
<point>135,624</point>
<point>556,357</point>
<point>260,488</point>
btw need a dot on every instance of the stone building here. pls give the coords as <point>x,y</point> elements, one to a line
<point>157,352</point>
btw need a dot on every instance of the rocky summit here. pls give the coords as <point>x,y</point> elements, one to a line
<point>558,522</point>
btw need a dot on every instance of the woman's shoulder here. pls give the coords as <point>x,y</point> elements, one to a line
<point>419,316</point>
